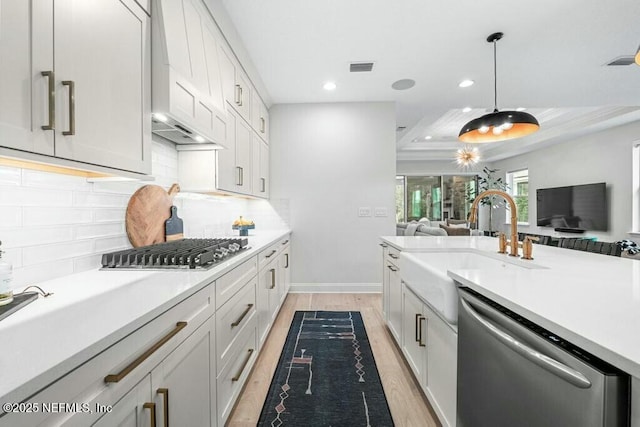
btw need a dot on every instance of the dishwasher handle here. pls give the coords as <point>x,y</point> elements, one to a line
<point>553,366</point>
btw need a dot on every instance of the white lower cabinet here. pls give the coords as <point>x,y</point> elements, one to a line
<point>430,347</point>
<point>274,279</point>
<point>135,409</point>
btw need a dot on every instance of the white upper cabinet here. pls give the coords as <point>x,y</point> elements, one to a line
<point>260,167</point>
<point>100,56</point>
<point>259,116</point>
<point>24,100</point>
<point>88,103</point>
<point>236,87</point>
<point>188,103</point>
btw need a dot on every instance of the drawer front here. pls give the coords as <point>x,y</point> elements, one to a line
<point>268,255</point>
<point>284,242</point>
<point>231,319</point>
<point>233,376</point>
<point>148,345</point>
<point>393,255</point>
<point>230,283</point>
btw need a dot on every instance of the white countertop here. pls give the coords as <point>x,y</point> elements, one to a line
<point>591,300</point>
<point>90,311</point>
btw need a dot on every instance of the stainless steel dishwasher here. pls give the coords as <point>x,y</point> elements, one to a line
<point>512,372</point>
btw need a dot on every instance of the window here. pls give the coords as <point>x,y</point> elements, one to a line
<point>518,182</point>
<point>436,197</point>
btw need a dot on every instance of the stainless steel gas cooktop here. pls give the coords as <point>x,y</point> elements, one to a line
<point>179,254</point>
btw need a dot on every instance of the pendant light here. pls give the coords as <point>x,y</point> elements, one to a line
<point>498,125</point>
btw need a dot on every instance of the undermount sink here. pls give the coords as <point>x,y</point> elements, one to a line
<point>426,272</point>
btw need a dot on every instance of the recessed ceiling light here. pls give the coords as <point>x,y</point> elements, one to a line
<point>329,86</point>
<point>403,84</point>
<point>466,109</point>
<point>428,137</point>
<point>466,83</point>
<point>520,109</point>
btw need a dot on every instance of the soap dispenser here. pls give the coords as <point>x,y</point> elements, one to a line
<point>6,277</point>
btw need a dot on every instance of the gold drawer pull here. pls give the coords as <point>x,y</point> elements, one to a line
<point>394,256</point>
<point>242,316</point>
<point>114,378</point>
<point>165,404</point>
<point>152,411</point>
<point>273,278</point>
<point>271,254</point>
<point>244,365</point>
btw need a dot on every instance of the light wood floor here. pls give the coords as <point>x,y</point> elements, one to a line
<point>408,405</point>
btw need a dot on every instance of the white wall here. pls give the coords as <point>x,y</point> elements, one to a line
<point>328,160</point>
<point>53,225</point>
<point>599,157</point>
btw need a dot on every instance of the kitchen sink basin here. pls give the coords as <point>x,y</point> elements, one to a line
<point>426,272</point>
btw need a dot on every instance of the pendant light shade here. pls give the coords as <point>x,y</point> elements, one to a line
<point>498,125</point>
<point>638,57</point>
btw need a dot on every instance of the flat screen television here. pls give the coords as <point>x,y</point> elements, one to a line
<point>575,207</point>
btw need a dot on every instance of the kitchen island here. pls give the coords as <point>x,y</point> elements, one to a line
<point>591,300</point>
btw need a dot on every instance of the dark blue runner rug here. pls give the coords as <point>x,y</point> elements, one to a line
<point>326,375</point>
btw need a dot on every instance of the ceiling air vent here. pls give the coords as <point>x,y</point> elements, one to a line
<point>621,60</point>
<point>360,67</point>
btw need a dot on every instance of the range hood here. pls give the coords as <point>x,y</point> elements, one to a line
<point>187,99</point>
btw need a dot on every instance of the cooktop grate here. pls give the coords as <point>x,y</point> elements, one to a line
<point>184,253</point>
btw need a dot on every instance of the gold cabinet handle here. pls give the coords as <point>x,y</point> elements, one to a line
<point>152,411</point>
<point>72,107</point>
<point>262,125</point>
<point>417,321</point>
<point>263,185</point>
<point>51,95</point>
<point>242,316</point>
<point>285,242</point>
<point>392,268</point>
<point>271,254</point>
<point>244,365</point>
<point>165,404</point>
<point>114,378</point>
<point>273,278</point>
<point>394,256</point>
<point>286,257</point>
<point>420,330</point>
<point>384,245</point>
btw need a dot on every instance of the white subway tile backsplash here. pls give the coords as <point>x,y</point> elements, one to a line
<point>45,253</point>
<point>110,244</point>
<point>99,230</point>
<point>109,215</point>
<point>26,196</point>
<point>33,178</point>
<point>10,176</point>
<point>10,216</point>
<point>99,199</point>
<point>35,274</point>
<point>54,225</point>
<point>23,237</point>
<point>33,216</point>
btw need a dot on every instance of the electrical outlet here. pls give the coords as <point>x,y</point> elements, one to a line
<point>380,212</point>
<point>363,212</point>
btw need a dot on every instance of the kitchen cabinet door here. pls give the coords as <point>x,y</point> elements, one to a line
<point>395,302</point>
<point>243,155</point>
<point>102,64</point>
<point>260,167</point>
<point>183,385</point>
<point>26,31</point>
<point>442,367</point>
<point>259,116</point>
<point>236,86</point>
<point>135,409</point>
<point>266,297</point>
<point>227,172</point>
<point>284,262</point>
<point>414,334</point>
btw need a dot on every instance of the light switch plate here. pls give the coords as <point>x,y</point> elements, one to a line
<point>380,212</point>
<point>364,211</point>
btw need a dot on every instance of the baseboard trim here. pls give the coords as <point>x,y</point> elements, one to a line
<point>336,288</point>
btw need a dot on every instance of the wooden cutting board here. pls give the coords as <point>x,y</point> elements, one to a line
<point>147,211</point>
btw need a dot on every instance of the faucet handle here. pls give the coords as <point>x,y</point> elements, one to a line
<point>527,247</point>
<point>502,243</point>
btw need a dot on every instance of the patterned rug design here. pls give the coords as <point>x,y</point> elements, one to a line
<point>326,375</point>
